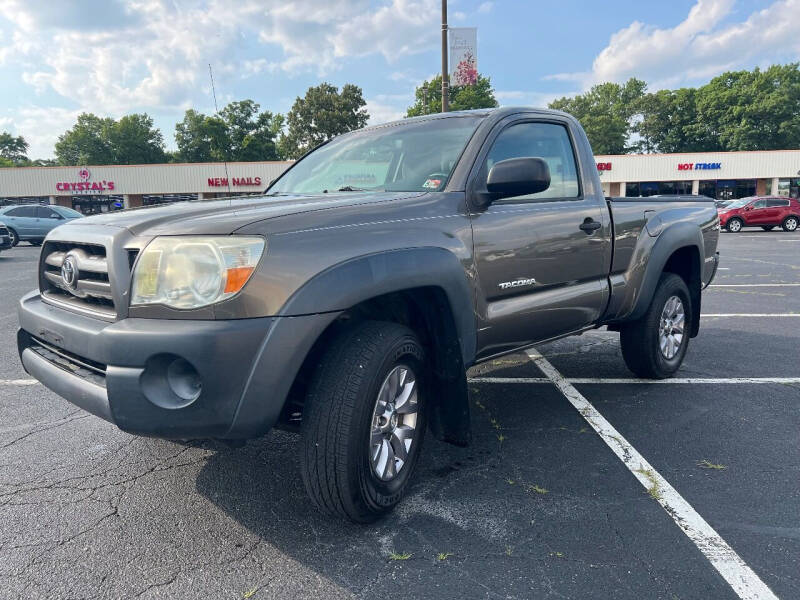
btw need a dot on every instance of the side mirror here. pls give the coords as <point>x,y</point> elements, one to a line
<point>518,177</point>
<point>748,208</point>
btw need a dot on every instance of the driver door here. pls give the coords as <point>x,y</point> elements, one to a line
<point>539,275</point>
<point>757,213</point>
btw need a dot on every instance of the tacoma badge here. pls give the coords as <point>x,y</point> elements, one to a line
<point>507,285</point>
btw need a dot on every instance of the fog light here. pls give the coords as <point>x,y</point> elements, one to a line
<point>170,381</point>
<point>184,380</point>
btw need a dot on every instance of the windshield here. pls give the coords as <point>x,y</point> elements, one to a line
<point>739,203</point>
<point>410,157</point>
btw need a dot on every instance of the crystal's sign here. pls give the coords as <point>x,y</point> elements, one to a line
<point>85,186</point>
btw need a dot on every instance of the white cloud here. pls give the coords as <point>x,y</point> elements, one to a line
<point>486,7</point>
<point>381,112</point>
<point>41,127</point>
<point>111,57</point>
<point>524,98</point>
<point>701,46</point>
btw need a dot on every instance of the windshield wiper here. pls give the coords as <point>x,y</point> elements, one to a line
<point>347,188</point>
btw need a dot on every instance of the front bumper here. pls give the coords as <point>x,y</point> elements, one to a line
<point>117,371</point>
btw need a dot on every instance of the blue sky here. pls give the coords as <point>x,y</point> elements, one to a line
<point>110,57</point>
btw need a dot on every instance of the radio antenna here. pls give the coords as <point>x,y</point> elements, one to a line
<point>216,109</point>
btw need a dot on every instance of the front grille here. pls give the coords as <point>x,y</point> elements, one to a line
<point>84,368</point>
<point>76,276</point>
<point>3,230</point>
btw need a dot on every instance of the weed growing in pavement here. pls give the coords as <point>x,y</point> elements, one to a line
<point>443,555</point>
<point>557,554</point>
<point>653,490</point>
<point>535,488</point>
<point>707,464</point>
<point>400,555</point>
<point>509,551</point>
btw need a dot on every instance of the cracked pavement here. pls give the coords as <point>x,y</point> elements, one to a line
<point>537,507</point>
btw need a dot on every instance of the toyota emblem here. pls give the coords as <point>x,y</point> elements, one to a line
<point>69,272</point>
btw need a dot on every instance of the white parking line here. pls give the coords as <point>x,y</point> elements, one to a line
<point>628,380</point>
<point>730,285</point>
<point>759,315</point>
<point>724,559</point>
<point>18,382</point>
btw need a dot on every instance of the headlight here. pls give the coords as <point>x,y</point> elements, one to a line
<point>194,271</point>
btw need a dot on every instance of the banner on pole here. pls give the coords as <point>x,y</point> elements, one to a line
<point>463,55</point>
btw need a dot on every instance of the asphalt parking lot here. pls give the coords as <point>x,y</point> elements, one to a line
<point>540,506</point>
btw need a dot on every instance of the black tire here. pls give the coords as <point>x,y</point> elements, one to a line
<point>734,225</point>
<point>14,237</point>
<point>790,223</point>
<point>768,227</point>
<point>338,421</point>
<point>639,339</point>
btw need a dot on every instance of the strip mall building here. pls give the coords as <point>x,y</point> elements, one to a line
<point>94,189</point>
<point>718,175</point>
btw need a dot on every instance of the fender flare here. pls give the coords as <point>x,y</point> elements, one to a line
<point>674,237</point>
<point>346,284</point>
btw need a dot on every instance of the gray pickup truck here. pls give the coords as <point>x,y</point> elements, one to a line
<point>347,302</point>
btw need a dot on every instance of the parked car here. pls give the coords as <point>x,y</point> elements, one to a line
<point>349,300</point>
<point>765,212</point>
<point>5,238</point>
<point>32,222</point>
<point>722,203</point>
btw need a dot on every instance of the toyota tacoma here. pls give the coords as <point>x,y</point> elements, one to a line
<point>348,301</point>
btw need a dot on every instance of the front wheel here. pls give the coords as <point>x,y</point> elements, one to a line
<point>14,237</point>
<point>655,345</point>
<point>790,223</point>
<point>734,225</point>
<point>364,421</point>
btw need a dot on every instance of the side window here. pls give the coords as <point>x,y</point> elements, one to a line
<point>777,202</point>
<point>759,204</point>
<point>47,213</point>
<point>547,141</point>
<point>15,212</point>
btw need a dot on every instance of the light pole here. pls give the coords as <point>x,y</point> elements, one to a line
<point>445,74</point>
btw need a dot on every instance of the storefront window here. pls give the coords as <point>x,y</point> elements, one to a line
<point>728,189</point>
<point>659,188</point>
<point>789,187</point>
<point>95,205</point>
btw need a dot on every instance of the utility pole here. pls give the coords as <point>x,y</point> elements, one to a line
<point>445,73</point>
<point>425,98</point>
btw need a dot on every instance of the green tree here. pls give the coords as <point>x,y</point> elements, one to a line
<point>607,112</point>
<point>103,141</point>
<point>324,112</point>
<point>463,97</point>
<point>86,143</point>
<point>670,123</point>
<point>135,141</point>
<point>239,132</point>
<point>13,148</point>
<point>752,110</point>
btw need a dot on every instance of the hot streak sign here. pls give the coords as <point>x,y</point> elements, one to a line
<point>85,186</point>
<point>235,181</point>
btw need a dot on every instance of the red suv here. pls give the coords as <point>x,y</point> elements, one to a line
<point>765,212</point>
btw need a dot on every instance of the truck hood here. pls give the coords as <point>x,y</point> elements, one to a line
<point>225,216</point>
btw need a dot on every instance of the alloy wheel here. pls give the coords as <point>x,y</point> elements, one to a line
<point>671,326</point>
<point>394,423</point>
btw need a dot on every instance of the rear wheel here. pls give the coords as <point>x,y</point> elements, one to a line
<point>364,421</point>
<point>14,237</point>
<point>790,223</point>
<point>655,345</point>
<point>734,225</point>
<point>768,227</point>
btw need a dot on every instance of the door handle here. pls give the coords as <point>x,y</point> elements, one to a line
<point>590,226</point>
